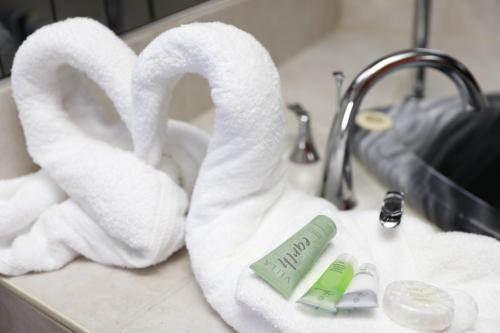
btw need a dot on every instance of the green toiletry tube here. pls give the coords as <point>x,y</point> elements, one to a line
<point>285,266</point>
<point>329,288</point>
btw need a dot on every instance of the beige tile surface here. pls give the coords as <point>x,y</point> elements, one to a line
<point>19,316</point>
<point>104,299</point>
<point>14,159</point>
<point>184,305</point>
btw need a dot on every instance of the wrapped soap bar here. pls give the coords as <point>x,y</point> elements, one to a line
<point>418,305</point>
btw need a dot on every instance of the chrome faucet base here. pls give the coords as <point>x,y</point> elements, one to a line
<point>337,177</point>
<point>304,151</point>
<point>347,204</point>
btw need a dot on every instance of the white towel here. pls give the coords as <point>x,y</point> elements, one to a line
<point>66,78</point>
<point>241,206</point>
<point>22,200</point>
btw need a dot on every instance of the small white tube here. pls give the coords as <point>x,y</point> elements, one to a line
<point>362,291</point>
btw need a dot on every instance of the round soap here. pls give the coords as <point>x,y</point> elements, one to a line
<point>418,305</point>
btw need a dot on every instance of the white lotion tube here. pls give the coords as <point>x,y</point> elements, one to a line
<point>362,291</point>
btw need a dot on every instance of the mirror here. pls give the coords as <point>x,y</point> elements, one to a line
<point>20,18</point>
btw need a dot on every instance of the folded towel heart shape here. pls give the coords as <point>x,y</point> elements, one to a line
<point>121,210</point>
<point>242,206</point>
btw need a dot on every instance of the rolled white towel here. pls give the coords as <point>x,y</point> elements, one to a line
<point>22,200</point>
<point>242,207</point>
<point>121,211</point>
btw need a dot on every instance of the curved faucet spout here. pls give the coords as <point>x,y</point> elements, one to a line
<point>337,177</point>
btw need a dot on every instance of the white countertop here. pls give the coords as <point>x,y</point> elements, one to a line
<point>93,298</point>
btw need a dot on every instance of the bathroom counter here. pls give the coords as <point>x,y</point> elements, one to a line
<point>87,297</point>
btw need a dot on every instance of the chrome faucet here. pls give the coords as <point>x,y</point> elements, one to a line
<point>337,177</point>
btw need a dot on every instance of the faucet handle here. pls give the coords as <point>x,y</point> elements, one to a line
<point>339,79</point>
<point>304,151</point>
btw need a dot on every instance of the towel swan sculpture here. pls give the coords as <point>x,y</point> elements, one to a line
<point>120,210</point>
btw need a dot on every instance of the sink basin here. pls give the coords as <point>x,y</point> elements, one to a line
<point>443,159</point>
